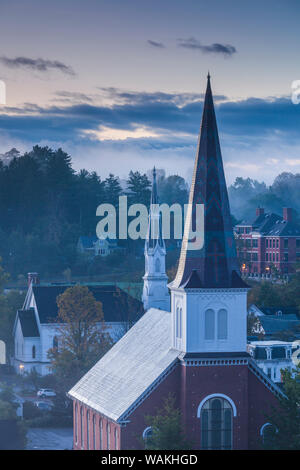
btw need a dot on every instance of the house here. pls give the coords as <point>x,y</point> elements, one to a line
<point>36,331</point>
<point>269,244</point>
<point>273,322</point>
<point>197,350</point>
<point>273,356</point>
<point>93,246</point>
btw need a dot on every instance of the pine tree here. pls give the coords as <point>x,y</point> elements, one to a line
<point>166,426</point>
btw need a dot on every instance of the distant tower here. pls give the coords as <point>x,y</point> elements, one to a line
<point>155,292</point>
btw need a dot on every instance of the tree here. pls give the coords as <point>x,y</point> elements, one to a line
<point>82,335</point>
<point>284,430</point>
<point>167,431</point>
<point>139,188</point>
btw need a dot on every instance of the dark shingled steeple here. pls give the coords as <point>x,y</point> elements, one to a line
<point>215,264</point>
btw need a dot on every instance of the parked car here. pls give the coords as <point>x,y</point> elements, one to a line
<point>43,406</point>
<point>46,392</point>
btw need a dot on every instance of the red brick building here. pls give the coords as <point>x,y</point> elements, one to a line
<point>197,351</point>
<point>268,245</point>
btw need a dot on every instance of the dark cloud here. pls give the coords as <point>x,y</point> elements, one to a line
<point>119,96</point>
<point>69,96</point>
<point>216,48</point>
<point>40,65</point>
<point>156,44</point>
<point>249,119</point>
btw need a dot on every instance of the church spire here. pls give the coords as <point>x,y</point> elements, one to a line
<point>155,291</point>
<point>215,264</point>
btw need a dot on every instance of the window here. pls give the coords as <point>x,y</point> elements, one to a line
<point>216,424</point>
<point>277,243</point>
<point>108,435</point>
<point>209,329</point>
<point>267,257</point>
<point>273,242</point>
<point>267,242</point>
<point>286,257</point>
<point>55,342</point>
<point>88,430</point>
<point>267,431</point>
<point>116,439</point>
<point>222,324</point>
<point>76,424</point>
<point>100,434</point>
<point>33,352</point>
<point>94,432</point>
<point>81,426</point>
<point>147,433</point>
<point>254,242</point>
<point>157,265</point>
<point>277,257</point>
<point>178,322</point>
<point>254,256</point>
<point>298,243</point>
<point>286,243</point>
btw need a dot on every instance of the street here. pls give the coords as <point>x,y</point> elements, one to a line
<point>49,439</point>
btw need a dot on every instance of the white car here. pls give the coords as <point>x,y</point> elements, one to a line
<point>46,392</point>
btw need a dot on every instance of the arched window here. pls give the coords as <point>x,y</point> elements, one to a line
<point>216,424</point>
<point>157,265</point>
<point>116,438</point>
<point>101,434</point>
<point>76,424</point>
<point>147,433</point>
<point>267,432</point>
<point>108,435</point>
<point>55,342</point>
<point>222,324</point>
<point>88,430</point>
<point>209,328</point>
<point>33,352</point>
<point>94,432</point>
<point>81,427</point>
<point>178,322</point>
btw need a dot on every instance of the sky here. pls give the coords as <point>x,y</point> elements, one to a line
<point>119,84</point>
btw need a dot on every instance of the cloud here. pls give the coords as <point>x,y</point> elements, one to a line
<point>156,44</point>
<point>71,96</point>
<point>40,65</point>
<point>137,127</point>
<point>216,48</point>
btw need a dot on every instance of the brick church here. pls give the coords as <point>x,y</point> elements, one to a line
<point>196,349</point>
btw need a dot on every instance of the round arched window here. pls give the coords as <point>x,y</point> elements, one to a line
<point>216,424</point>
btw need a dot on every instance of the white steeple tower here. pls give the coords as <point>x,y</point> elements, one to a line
<point>155,292</point>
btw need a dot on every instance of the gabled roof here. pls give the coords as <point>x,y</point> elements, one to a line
<point>284,310</point>
<point>274,324</point>
<point>134,364</point>
<point>118,305</point>
<point>216,261</point>
<point>28,323</point>
<point>87,242</point>
<point>285,228</point>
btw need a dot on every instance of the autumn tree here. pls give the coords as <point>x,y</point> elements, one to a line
<point>82,334</point>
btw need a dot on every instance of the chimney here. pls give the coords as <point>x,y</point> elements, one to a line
<point>260,211</point>
<point>287,214</point>
<point>33,278</point>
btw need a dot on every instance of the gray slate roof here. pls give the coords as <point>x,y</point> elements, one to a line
<point>123,376</point>
<point>273,324</point>
<point>28,323</point>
